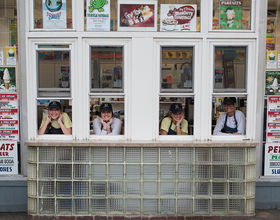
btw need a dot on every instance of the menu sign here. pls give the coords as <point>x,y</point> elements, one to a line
<point>8,157</point>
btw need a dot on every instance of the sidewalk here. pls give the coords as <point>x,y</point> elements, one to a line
<point>270,214</point>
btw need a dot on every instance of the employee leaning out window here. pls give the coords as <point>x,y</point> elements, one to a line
<point>174,123</point>
<point>106,123</point>
<point>231,122</point>
<point>56,121</point>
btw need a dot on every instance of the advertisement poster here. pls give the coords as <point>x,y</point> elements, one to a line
<point>270,34</point>
<point>273,119</point>
<point>135,16</point>
<point>228,66</point>
<point>11,55</point>
<point>54,14</point>
<point>118,76</point>
<point>98,15</point>
<point>271,83</point>
<point>64,70</point>
<point>8,157</point>
<point>219,75</point>
<point>7,79</point>
<point>230,14</point>
<point>271,58</point>
<point>1,57</point>
<point>272,160</point>
<point>188,77</point>
<point>177,17</point>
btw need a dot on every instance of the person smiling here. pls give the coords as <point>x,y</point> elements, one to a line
<point>56,121</point>
<point>232,121</point>
<point>106,124</point>
<point>174,123</point>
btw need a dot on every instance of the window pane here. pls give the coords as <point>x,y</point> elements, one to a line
<point>230,69</point>
<point>177,73</point>
<point>54,73</point>
<point>231,15</point>
<point>107,69</point>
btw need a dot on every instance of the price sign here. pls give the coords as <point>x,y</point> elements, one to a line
<point>8,157</point>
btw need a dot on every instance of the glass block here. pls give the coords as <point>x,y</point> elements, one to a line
<point>167,206</point>
<point>81,154</point>
<point>46,171</point>
<point>167,189</point>
<point>116,188</point>
<point>220,155</point>
<point>116,205</point>
<point>63,154</point>
<point>46,206</point>
<point>98,188</point>
<point>46,188</point>
<point>150,155</point>
<point>116,172</point>
<point>150,188</point>
<point>185,172</point>
<point>81,206</point>
<point>202,206</point>
<point>64,206</point>
<point>133,172</point>
<point>250,206</point>
<point>185,206</point>
<point>150,206</point>
<point>219,189</point>
<point>32,154</point>
<point>236,206</point>
<point>81,189</point>
<point>46,154</point>
<point>237,172</point>
<point>185,188</point>
<point>202,189</point>
<point>32,171</point>
<point>250,189</point>
<point>219,206</point>
<point>64,189</point>
<point>251,155</point>
<point>133,155</point>
<point>168,155</point>
<point>168,172</point>
<point>237,155</point>
<point>80,171</point>
<point>64,171</point>
<point>202,172</point>
<point>133,189</point>
<point>150,172</point>
<point>116,154</point>
<point>32,205</point>
<point>219,172</point>
<point>185,155</point>
<point>31,188</point>
<point>250,172</point>
<point>98,205</point>
<point>236,189</point>
<point>202,155</point>
<point>133,206</point>
<point>98,154</point>
<point>99,172</point>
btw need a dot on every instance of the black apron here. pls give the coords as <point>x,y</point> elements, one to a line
<point>170,131</point>
<point>52,130</point>
<point>228,129</point>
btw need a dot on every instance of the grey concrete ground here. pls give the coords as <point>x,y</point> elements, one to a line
<point>270,214</point>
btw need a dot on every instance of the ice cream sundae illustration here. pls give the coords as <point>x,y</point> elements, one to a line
<point>230,14</point>
<point>271,56</point>
<point>6,78</point>
<point>11,53</point>
<point>137,16</point>
<point>169,23</point>
<point>275,85</point>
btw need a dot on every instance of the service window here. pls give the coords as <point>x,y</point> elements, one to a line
<point>231,15</point>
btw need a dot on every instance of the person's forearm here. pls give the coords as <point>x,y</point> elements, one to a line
<point>178,130</point>
<point>64,129</point>
<point>43,128</point>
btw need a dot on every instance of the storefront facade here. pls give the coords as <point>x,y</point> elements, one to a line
<point>141,70</point>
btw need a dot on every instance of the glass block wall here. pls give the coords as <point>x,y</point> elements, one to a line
<point>141,180</point>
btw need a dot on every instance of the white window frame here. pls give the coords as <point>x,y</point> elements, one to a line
<point>196,44</point>
<point>126,44</point>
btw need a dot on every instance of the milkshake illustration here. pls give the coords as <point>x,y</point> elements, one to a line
<point>230,13</point>
<point>11,53</point>
<point>271,56</point>
<point>275,85</point>
<point>6,78</point>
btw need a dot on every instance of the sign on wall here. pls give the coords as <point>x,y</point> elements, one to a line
<point>273,119</point>
<point>8,157</point>
<point>54,14</point>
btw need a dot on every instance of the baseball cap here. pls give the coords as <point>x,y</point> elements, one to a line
<point>175,108</point>
<point>230,100</point>
<point>55,104</point>
<point>106,107</point>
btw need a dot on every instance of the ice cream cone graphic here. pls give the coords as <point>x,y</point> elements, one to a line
<point>6,78</point>
<point>275,85</point>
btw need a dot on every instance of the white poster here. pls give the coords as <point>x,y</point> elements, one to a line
<point>98,15</point>
<point>54,14</point>
<point>176,17</point>
<point>8,157</point>
<point>1,57</point>
<point>272,160</point>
